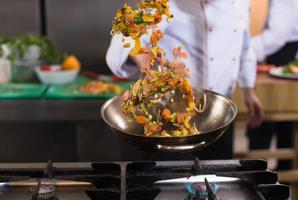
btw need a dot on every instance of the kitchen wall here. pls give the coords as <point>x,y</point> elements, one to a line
<point>80,27</point>
<point>19,17</point>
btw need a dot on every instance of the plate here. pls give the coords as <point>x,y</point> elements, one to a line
<point>72,91</point>
<point>278,72</point>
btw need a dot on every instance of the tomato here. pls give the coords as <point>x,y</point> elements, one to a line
<point>46,68</point>
<point>264,68</point>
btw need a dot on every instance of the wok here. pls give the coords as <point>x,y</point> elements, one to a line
<point>219,113</point>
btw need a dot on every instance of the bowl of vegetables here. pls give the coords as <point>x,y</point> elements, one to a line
<point>289,71</point>
<point>27,52</point>
<point>62,74</point>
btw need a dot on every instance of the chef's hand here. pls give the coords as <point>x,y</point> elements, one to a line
<point>179,67</point>
<point>142,60</point>
<point>255,108</point>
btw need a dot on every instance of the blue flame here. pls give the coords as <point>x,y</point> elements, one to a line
<point>199,189</point>
<point>189,188</point>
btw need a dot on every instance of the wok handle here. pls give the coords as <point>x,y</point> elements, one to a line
<point>176,148</point>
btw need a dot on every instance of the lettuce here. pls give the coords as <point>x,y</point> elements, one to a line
<point>19,45</point>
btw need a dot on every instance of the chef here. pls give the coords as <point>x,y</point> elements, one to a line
<point>215,35</point>
<point>276,44</point>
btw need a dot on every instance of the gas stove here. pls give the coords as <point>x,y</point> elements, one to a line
<point>160,180</point>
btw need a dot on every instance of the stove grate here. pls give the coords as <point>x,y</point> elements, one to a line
<point>136,180</point>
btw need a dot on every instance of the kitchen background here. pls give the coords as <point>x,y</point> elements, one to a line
<point>36,130</point>
<point>60,130</point>
<point>71,130</point>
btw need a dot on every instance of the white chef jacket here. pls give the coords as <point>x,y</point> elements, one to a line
<point>215,35</point>
<point>281,27</point>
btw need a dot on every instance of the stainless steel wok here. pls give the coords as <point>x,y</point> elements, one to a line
<point>219,113</point>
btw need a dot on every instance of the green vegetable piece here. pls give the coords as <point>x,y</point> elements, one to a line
<point>139,20</point>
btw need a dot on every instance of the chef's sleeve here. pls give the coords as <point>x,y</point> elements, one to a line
<point>247,71</point>
<point>117,58</point>
<point>280,24</point>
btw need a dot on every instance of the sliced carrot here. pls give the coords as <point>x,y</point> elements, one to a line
<point>177,51</point>
<point>156,36</point>
<point>166,113</point>
<point>155,128</point>
<point>143,51</point>
<point>184,55</point>
<point>158,19</point>
<point>141,119</point>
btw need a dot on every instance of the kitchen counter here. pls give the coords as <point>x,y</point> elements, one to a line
<point>53,103</point>
<point>50,110</point>
<point>38,130</point>
<point>280,101</point>
<point>279,98</point>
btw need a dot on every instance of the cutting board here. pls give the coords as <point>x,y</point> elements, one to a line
<point>22,91</point>
<point>72,91</point>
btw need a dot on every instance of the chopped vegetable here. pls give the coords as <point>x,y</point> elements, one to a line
<point>18,47</point>
<point>135,23</point>
<point>179,53</point>
<point>149,91</point>
<point>46,68</point>
<point>155,85</point>
<point>291,68</point>
<point>166,114</point>
<point>99,87</point>
<point>156,36</point>
<point>126,45</point>
<point>141,119</point>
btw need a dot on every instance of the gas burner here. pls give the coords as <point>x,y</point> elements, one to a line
<point>201,191</point>
<point>49,170</point>
<point>210,192</point>
<point>44,192</point>
<point>197,167</point>
<point>155,180</point>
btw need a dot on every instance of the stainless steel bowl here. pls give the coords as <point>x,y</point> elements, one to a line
<point>219,113</point>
